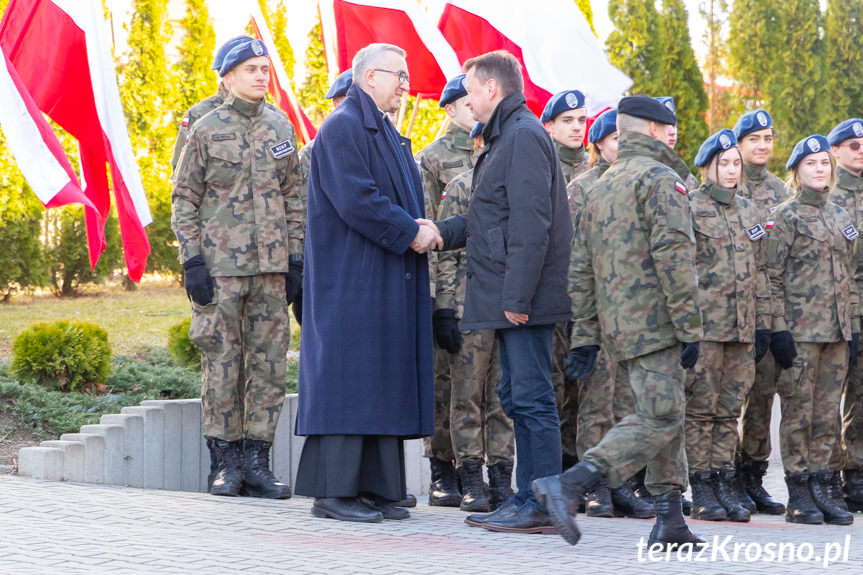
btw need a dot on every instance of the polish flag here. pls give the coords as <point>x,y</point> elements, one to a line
<point>280,86</point>
<point>62,53</point>
<point>349,25</point>
<point>551,39</point>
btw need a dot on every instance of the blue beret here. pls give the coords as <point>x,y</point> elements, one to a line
<point>848,129</point>
<point>340,85</point>
<point>646,108</point>
<point>242,52</point>
<point>560,103</point>
<point>807,146</point>
<point>752,122</point>
<point>453,90</point>
<point>718,142</point>
<point>477,129</point>
<point>605,124</point>
<point>225,48</point>
<point>668,102</point>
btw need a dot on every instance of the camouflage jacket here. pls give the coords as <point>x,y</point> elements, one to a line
<point>236,198</point>
<point>452,264</point>
<point>441,161</point>
<point>573,163</point>
<point>576,190</point>
<point>192,115</point>
<point>732,278</point>
<point>632,266</point>
<point>810,255</point>
<point>762,188</point>
<point>848,194</point>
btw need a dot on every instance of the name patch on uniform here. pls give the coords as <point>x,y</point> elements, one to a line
<point>223,137</point>
<point>282,149</point>
<point>810,218</point>
<point>850,233</point>
<point>449,165</point>
<point>680,188</point>
<point>756,232</point>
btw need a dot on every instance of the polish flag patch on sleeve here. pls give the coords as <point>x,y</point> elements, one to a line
<point>680,188</point>
<point>768,225</point>
<point>185,121</point>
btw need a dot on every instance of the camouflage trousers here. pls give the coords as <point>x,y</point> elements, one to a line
<point>565,390</point>
<point>604,398</point>
<point>848,453</point>
<point>652,436</point>
<point>810,403</point>
<point>243,335</point>
<point>439,445</point>
<point>480,429</point>
<point>715,391</point>
<point>757,410</point>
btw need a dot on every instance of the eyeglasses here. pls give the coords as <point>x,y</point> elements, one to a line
<point>854,146</point>
<point>403,76</point>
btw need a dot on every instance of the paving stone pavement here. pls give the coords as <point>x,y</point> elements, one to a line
<point>66,528</point>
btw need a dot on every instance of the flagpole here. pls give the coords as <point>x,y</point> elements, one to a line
<point>402,110</point>
<point>413,116</point>
<point>443,126</point>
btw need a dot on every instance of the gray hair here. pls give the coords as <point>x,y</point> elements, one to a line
<point>627,123</point>
<point>370,57</point>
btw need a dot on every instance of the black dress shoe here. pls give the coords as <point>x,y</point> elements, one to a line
<point>525,519</point>
<point>410,500</point>
<point>345,509</point>
<point>386,508</point>
<point>508,507</point>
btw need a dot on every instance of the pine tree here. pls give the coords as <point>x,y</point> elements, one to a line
<point>196,80</point>
<point>317,81</point>
<point>843,59</point>
<point>755,41</point>
<point>584,6</point>
<point>682,80</point>
<point>635,45</point>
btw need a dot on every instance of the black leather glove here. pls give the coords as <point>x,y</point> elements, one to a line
<point>580,361</point>
<point>293,279</point>
<point>762,343</point>
<point>782,346</point>
<point>689,351</point>
<point>297,308</point>
<point>198,281</point>
<point>446,332</point>
<point>853,347</point>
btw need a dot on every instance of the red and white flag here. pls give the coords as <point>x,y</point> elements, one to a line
<point>551,39</point>
<point>280,86</point>
<point>62,54</point>
<point>349,25</point>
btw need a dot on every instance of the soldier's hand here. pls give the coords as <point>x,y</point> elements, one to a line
<point>198,281</point>
<point>580,361</point>
<point>293,281</point>
<point>762,343</point>
<point>853,347</point>
<point>689,351</point>
<point>782,346</point>
<point>446,332</point>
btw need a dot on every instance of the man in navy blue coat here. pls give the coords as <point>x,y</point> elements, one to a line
<point>366,373</point>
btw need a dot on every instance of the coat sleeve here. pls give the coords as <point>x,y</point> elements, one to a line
<point>181,138</point>
<point>582,289</point>
<point>453,203</point>
<point>186,197</point>
<point>779,242</point>
<point>763,298</point>
<point>293,185</point>
<point>341,169</point>
<point>528,191</point>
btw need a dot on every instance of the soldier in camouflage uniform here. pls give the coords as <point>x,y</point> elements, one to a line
<point>480,429</point>
<point>810,260</point>
<point>565,118</point>
<point>735,304</point>
<point>440,162</point>
<point>846,145</point>
<point>754,133</point>
<point>238,219</point>
<point>667,101</point>
<point>634,287</point>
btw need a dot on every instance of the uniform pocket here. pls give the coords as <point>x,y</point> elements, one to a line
<point>789,381</point>
<point>208,327</point>
<point>225,163</point>
<point>496,245</point>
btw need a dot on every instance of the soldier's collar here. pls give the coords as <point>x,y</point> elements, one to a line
<point>460,137</point>
<point>755,174</point>
<point>569,155</point>
<point>724,196</point>
<point>223,90</point>
<point>245,108</point>
<point>633,144</point>
<point>813,197</point>
<point>849,181</point>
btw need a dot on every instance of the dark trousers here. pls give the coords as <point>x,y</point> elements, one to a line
<point>527,397</point>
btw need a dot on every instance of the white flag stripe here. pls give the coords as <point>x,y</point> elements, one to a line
<point>40,168</point>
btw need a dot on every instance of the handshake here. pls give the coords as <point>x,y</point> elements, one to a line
<point>428,237</point>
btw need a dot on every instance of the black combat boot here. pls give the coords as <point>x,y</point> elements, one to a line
<point>229,471</point>
<point>443,491</point>
<point>599,501</point>
<point>752,474</point>
<point>801,508</point>
<point>836,491</point>
<point>740,492</point>
<point>853,489</point>
<point>214,463</point>
<point>723,481</point>
<point>638,487</point>
<point>474,489</point>
<point>499,483</point>
<point>258,480</point>
<point>626,504</point>
<point>704,503</point>
<point>685,505</point>
<point>819,488</point>
<point>670,530</point>
<point>560,495</point>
